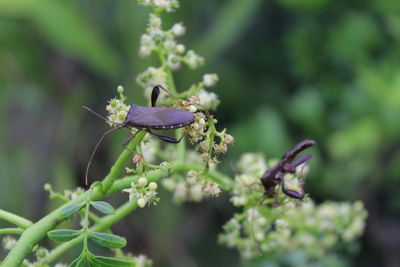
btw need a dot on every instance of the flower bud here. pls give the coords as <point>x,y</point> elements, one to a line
<point>153,186</point>
<point>141,202</point>
<point>142,182</point>
<point>180,49</point>
<point>192,108</point>
<point>178,29</point>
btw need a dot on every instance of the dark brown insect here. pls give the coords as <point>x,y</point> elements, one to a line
<point>148,119</point>
<point>287,164</point>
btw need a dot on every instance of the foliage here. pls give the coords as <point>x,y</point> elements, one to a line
<point>321,69</point>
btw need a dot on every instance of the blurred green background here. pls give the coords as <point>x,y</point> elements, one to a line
<point>289,70</point>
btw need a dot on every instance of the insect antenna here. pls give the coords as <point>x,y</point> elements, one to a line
<point>101,117</point>
<point>95,148</point>
<point>166,90</point>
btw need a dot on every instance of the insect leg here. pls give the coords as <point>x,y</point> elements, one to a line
<point>291,155</point>
<point>291,193</point>
<point>165,138</point>
<point>126,142</point>
<point>291,167</point>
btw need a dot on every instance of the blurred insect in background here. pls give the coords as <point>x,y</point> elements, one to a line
<point>287,164</point>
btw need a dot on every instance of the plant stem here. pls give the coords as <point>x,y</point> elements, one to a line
<point>15,219</point>
<point>86,223</point>
<point>106,222</point>
<point>7,231</point>
<point>181,146</point>
<point>225,182</point>
<point>119,164</point>
<point>36,232</point>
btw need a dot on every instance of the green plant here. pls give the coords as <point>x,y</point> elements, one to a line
<point>191,174</point>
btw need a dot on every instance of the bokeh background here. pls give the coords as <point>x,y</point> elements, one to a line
<point>289,70</point>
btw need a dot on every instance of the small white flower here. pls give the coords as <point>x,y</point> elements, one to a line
<point>149,150</point>
<point>193,60</point>
<point>147,40</point>
<point>78,191</point>
<point>141,202</point>
<point>8,242</point>
<point>169,45</point>
<point>160,3</point>
<point>281,224</point>
<point>142,182</point>
<point>192,108</point>
<point>210,79</point>
<point>141,260</point>
<point>196,193</point>
<point>228,139</point>
<point>153,186</point>
<point>144,2</point>
<point>212,189</point>
<point>180,48</point>
<point>208,100</point>
<point>173,61</point>
<point>178,29</point>
<point>144,51</point>
<point>154,21</point>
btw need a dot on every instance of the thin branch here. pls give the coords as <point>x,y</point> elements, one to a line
<point>8,231</point>
<point>15,219</point>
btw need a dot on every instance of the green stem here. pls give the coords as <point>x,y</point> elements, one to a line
<point>225,182</point>
<point>86,224</point>
<point>170,77</point>
<point>15,219</point>
<point>7,231</point>
<point>36,232</point>
<point>119,164</point>
<point>104,223</point>
<point>181,146</point>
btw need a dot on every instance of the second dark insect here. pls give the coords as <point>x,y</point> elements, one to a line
<point>287,164</point>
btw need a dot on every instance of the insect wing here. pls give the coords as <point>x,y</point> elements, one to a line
<point>161,117</point>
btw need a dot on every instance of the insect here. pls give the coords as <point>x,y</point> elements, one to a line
<point>287,164</point>
<point>148,119</point>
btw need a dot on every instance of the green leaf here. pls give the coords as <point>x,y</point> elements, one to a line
<point>71,209</point>
<point>109,262</point>
<point>108,240</point>
<point>103,207</point>
<point>78,262</point>
<point>63,235</point>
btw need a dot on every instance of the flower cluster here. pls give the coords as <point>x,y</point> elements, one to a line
<point>196,130</point>
<point>8,242</point>
<point>248,188</point>
<point>164,43</point>
<point>292,225</point>
<point>144,192</point>
<point>194,188</point>
<point>41,253</point>
<point>161,5</point>
<point>151,77</point>
<point>67,195</point>
<point>300,226</point>
<point>117,109</point>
